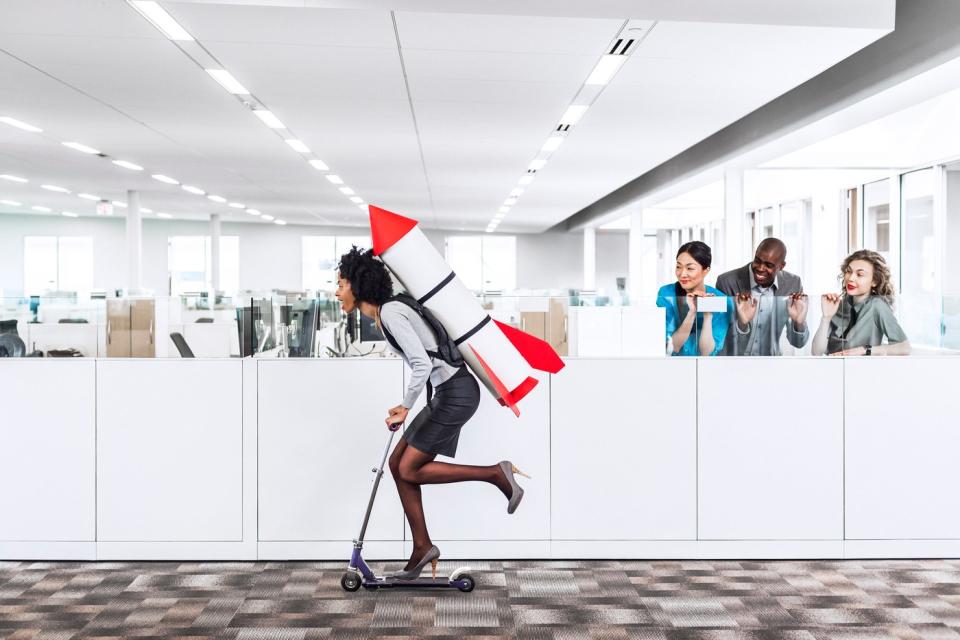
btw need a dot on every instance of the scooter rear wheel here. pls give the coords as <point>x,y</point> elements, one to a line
<point>350,581</point>
<point>468,581</point>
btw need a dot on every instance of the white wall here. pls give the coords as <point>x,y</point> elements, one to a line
<point>270,255</point>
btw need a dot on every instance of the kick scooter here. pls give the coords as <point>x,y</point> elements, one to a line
<point>358,574</point>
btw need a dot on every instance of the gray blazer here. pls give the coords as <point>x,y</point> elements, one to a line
<point>738,281</point>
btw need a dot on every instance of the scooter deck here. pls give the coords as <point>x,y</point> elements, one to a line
<point>386,583</point>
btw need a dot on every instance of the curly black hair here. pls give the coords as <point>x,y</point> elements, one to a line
<point>368,277</point>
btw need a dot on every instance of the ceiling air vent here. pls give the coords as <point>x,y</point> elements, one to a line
<point>563,127</point>
<point>622,46</point>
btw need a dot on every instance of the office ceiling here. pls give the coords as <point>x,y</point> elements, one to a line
<point>419,107</point>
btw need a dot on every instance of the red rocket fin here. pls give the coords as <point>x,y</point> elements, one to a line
<point>538,353</point>
<point>505,398</point>
<point>387,228</point>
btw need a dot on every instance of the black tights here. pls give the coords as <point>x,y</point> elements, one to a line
<point>412,468</point>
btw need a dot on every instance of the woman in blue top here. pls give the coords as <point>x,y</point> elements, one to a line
<point>690,333</point>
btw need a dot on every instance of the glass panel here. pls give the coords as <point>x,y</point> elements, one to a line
<point>921,260</point>
<point>876,217</point>
<point>39,264</point>
<point>75,263</point>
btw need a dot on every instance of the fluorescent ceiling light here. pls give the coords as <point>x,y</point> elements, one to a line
<point>237,205</point>
<point>144,210</point>
<point>165,216</point>
<point>11,203</point>
<point>356,200</point>
<point>121,204</point>
<point>553,143</point>
<point>194,190</point>
<point>500,216</point>
<point>53,187</point>
<point>127,165</point>
<point>42,209</point>
<point>490,229</point>
<point>68,214</point>
<point>253,212</point>
<point>81,148</point>
<point>280,222</point>
<point>527,179</point>
<point>537,164</point>
<point>297,145</point>
<point>319,165</point>
<point>228,82</point>
<point>573,113</point>
<point>517,191</point>
<point>347,191</point>
<point>161,19</point>
<point>267,217</point>
<point>334,178</point>
<point>13,122</point>
<point>503,209</point>
<point>6,176</point>
<point>268,118</point>
<point>510,202</point>
<point>165,179</point>
<point>89,196</point>
<point>219,199</point>
<point>606,68</point>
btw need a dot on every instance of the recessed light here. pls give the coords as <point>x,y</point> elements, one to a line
<point>606,68</point>
<point>121,204</point>
<point>527,179</point>
<point>347,191</point>
<point>268,118</point>
<point>128,165</point>
<point>165,179</point>
<point>227,81</point>
<point>68,214</point>
<point>42,209</point>
<point>7,176</point>
<point>219,199</point>
<point>161,19</point>
<point>165,216</point>
<point>81,148</point>
<point>297,145</point>
<point>334,178</point>
<point>537,164</point>
<point>516,191</point>
<point>573,114</point>
<point>253,212</point>
<point>267,217</point>
<point>13,122</point>
<point>356,199</point>
<point>553,143</point>
<point>89,196</point>
<point>55,188</point>
<point>194,190</point>
<point>503,209</point>
<point>237,205</point>
<point>145,210</point>
<point>280,222</point>
<point>510,202</point>
<point>11,203</point>
<point>319,165</point>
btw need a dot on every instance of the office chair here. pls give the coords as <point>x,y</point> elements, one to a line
<point>181,345</point>
<point>11,346</point>
<point>203,320</point>
<point>9,326</point>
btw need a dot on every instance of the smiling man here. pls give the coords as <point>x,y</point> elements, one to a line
<point>768,299</point>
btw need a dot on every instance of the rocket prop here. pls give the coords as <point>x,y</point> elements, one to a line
<point>499,355</point>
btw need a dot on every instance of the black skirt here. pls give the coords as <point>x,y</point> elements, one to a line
<point>436,429</point>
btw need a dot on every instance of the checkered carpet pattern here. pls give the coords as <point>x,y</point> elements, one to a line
<point>553,600</point>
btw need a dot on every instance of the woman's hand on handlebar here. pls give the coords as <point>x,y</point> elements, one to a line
<point>397,416</point>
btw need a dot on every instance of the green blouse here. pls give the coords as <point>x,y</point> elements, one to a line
<point>867,323</point>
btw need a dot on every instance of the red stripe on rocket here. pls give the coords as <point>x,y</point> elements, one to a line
<point>499,355</point>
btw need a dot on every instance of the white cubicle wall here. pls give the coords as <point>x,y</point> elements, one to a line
<point>644,458</point>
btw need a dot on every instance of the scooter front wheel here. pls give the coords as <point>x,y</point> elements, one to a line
<point>350,581</point>
<point>468,582</point>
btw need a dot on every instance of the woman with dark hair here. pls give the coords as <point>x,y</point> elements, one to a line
<point>857,322</point>
<point>690,333</point>
<point>364,283</point>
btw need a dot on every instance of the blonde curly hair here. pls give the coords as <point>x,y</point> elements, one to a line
<point>882,281</point>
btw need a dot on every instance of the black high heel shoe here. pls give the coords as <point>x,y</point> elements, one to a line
<point>430,556</point>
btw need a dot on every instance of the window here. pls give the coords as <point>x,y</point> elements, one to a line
<point>321,254</point>
<point>876,217</point>
<point>188,263</point>
<point>484,263</point>
<point>52,263</point>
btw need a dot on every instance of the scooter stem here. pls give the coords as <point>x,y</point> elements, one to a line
<point>373,493</point>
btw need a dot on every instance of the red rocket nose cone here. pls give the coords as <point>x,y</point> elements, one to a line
<point>387,228</point>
